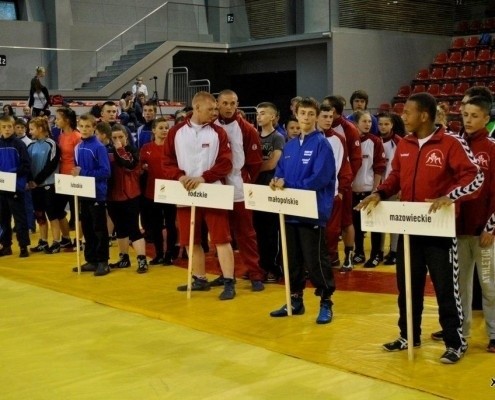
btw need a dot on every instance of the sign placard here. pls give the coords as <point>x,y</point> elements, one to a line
<point>3,60</point>
<point>8,181</point>
<point>409,218</point>
<point>301,203</point>
<point>205,195</point>
<point>83,186</point>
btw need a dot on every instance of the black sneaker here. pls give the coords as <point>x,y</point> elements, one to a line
<point>220,281</point>
<point>399,345</point>
<point>42,246</point>
<point>158,260</point>
<point>348,265</point>
<point>326,314</point>
<point>390,258</point>
<point>271,278</point>
<point>198,285</point>
<point>228,289</point>
<point>297,305</point>
<point>437,336</point>
<point>451,356</point>
<point>491,346</point>
<point>24,252</point>
<point>372,262</point>
<point>66,243</point>
<point>87,267</point>
<point>102,269</point>
<point>124,262</point>
<point>168,259</point>
<point>142,265</point>
<point>6,251</point>
<point>358,258</point>
<point>53,249</point>
<point>257,286</point>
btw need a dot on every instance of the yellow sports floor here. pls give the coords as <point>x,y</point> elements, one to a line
<point>131,336</point>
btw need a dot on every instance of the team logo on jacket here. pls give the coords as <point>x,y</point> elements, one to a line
<point>435,158</point>
<point>483,159</point>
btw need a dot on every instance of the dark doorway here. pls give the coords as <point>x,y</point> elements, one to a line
<point>276,87</point>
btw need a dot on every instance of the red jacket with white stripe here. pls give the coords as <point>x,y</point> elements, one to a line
<point>443,166</point>
<point>478,215</point>
<point>351,134</point>
<point>344,171</point>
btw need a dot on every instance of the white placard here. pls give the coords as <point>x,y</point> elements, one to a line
<point>83,186</point>
<point>409,218</point>
<point>8,181</point>
<point>301,203</point>
<point>205,195</point>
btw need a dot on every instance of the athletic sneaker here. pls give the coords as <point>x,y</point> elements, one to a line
<point>390,258</point>
<point>42,246</point>
<point>491,346</point>
<point>358,258</point>
<point>399,345</point>
<point>347,266</point>
<point>326,314</point>
<point>54,248</point>
<point>169,258</point>
<point>297,308</point>
<point>102,269</point>
<point>6,251</point>
<point>257,286</point>
<point>451,355</point>
<point>87,267</point>
<point>24,252</point>
<point>142,265</point>
<point>437,336</point>
<point>66,243</point>
<point>219,281</point>
<point>198,285</point>
<point>373,262</point>
<point>271,278</point>
<point>124,262</point>
<point>158,260</point>
<point>228,289</point>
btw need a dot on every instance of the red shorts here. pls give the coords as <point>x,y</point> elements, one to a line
<point>216,220</point>
<point>347,209</point>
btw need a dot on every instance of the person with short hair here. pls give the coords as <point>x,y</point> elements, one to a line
<point>139,87</point>
<point>92,160</point>
<point>430,165</point>
<point>292,128</point>
<point>198,151</point>
<point>14,158</point>
<point>359,102</point>
<point>308,163</point>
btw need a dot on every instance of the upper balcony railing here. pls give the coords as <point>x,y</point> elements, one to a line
<point>69,68</point>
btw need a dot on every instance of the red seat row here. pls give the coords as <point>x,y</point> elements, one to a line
<point>461,43</point>
<point>442,91</point>
<point>485,25</point>
<point>469,56</point>
<point>480,71</point>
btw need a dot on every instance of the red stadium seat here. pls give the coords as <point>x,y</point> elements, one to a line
<point>462,27</point>
<point>441,58</point>
<point>466,72</point>
<point>472,41</point>
<point>479,83</point>
<point>469,56</point>
<point>458,43</point>
<point>433,89</point>
<point>491,86</point>
<point>481,71</point>
<point>418,89</point>
<point>455,57</point>
<point>461,88</point>
<point>489,25</point>
<point>436,73</point>
<point>384,107</point>
<point>491,72</point>
<point>422,75</point>
<point>451,73</point>
<point>447,90</point>
<point>456,107</point>
<point>484,55</point>
<point>398,108</point>
<point>404,91</point>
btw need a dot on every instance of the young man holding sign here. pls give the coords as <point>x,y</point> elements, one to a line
<point>308,163</point>
<point>430,166</point>
<point>197,151</point>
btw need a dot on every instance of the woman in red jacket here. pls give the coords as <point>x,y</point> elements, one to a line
<point>151,158</point>
<point>123,200</point>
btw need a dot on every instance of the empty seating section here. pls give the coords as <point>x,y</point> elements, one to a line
<point>469,61</point>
